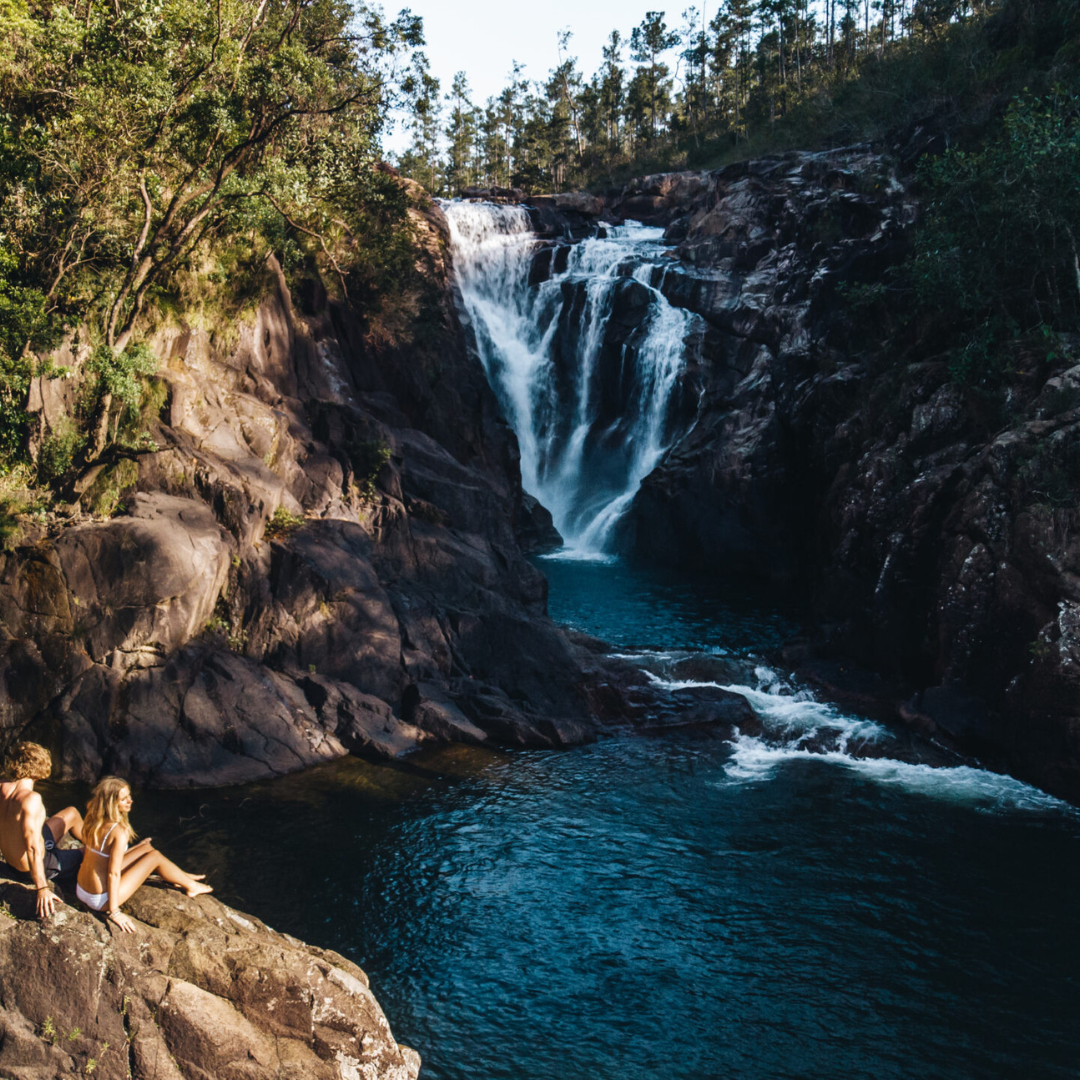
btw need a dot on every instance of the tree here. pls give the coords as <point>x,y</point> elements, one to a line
<point>513,116</point>
<point>999,251</point>
<point>137,135</point>
<point>461,136</point>
<point>695,55</point>
<point>421,162</point>
<point>612,88</point>
<point>564,91</point>
<point>732,26</point>
<point>648,42</point>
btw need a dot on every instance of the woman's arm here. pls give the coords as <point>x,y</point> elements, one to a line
<point>117,846</point>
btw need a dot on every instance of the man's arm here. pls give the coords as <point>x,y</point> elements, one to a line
<point>33,820</point>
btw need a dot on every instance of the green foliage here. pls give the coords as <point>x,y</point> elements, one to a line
<point>23,319</point>
<point>998,249</point>
<point>132,434</point>
<point>368,458</point>
<point>17,499</point>
<point>860,295</point>
<point>151,145</point>
<point>120,375</point>
<point>1003,217</point>
<point>58,451</point>
<point>282,524</point>
<point>10,529</point>
<point>104,494</point>
<point>759,76</point>
<point>1051,475</point>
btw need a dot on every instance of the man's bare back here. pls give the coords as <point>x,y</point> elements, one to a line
<point>22,813</point>
<point>27,838</point>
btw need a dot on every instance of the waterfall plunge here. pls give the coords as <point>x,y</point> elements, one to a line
<point>542,347</point>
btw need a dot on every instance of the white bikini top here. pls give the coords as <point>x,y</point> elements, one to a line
<point>104,842</point>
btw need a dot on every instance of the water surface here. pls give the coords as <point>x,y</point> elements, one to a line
<point>677,906</point>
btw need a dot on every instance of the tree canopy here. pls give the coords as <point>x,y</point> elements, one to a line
<point>753,76</point>
<point>145,139</point>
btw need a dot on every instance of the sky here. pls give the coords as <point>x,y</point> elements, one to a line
<point>483,38</point>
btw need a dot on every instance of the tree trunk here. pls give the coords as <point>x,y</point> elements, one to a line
<point>100,437</point>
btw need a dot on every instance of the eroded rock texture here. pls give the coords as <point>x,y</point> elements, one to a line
<point>194,638</point>
<point>197,992</point>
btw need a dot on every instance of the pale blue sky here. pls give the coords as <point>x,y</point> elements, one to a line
<point>483,37</point>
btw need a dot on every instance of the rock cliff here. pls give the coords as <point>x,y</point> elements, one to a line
<point>197,992</point>
<point>311,551</point>
<point>928,528</point>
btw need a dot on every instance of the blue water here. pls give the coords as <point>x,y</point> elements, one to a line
<point>679,906</point>
<point>655,608</point>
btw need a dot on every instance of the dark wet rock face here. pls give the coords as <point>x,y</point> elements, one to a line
<point>197,992</point>
<point>321,556</point>
<point>764,246</point>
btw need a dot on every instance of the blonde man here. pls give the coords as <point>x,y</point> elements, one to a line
<point>28,838</point>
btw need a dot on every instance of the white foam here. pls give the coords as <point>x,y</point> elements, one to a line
<point>789,714</point>
<point>799,714</point>
<point>577,554</point>
<point>753,759</point>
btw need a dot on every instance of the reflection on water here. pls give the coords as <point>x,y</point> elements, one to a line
<point>672,907</point>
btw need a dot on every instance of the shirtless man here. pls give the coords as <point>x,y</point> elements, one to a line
<point>27,840</point>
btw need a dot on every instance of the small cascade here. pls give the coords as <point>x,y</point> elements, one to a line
<point>584,355</point>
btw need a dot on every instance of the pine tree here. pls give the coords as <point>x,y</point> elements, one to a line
<point>421,161</point>
<point>648,42</point>
<point>461,136</point>
<point>613,89</point>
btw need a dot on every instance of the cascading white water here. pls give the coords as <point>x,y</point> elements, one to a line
<point>591,423</point>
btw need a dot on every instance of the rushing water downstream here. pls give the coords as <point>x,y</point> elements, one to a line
<point>820,899</point>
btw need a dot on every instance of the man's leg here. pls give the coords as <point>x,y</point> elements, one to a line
<point>68,820</point>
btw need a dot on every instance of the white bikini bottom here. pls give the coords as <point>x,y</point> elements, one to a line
<point>95,900</point>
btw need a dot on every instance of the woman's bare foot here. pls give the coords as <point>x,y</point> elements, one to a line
<point>198,888</point>
<point>197,877</point>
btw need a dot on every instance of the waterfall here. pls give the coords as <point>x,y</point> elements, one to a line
<point>584,363</point>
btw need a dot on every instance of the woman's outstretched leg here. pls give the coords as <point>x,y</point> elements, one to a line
<point>154,862</point>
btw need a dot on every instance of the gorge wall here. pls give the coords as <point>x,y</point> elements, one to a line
<point>322,552</point>
<point>928,526</point>
<point>312,552</point>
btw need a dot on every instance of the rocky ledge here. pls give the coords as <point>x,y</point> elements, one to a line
<point>197,992</point>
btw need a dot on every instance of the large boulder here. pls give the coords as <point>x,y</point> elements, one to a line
<point>198,992</point>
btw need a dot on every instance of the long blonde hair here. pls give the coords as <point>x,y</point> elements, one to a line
<point>104,809</point>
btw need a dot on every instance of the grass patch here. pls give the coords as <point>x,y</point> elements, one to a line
<point>282,524</point>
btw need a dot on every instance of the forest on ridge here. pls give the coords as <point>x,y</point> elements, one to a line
<point>758,76</point>
<point>154,155</point>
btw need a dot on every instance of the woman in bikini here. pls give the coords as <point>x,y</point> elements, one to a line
<point>111,872</point>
